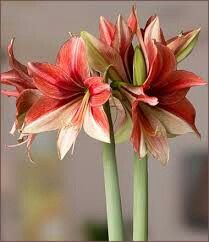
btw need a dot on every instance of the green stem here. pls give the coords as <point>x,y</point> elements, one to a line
<point>112,191</point>
<point>140,200</point>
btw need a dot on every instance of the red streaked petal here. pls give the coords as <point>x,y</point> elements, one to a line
<point>73,60</point>
<point>132,20</point>
<point>106,30</point>
<point>137,138</point>
<point>10,93</point>
<point>183,110</point>
<point>96,124</point>
<point>178,80</point>
<point>66,139</point>
<point>122,37</point>
<point>172,123</point>
<point>52,81</point>
<point>156,142</point>
<point>48,114</point>
<point>16,65</point>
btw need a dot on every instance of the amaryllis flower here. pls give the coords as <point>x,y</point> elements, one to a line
<point>71,98</point>
<point>174,114</point>
<point>25,92</point>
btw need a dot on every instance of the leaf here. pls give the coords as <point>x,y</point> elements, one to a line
<point>139,67</point>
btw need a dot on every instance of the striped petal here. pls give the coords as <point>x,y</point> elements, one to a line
<point>73,60</point>
<point>48,114</point>
<point>96,124</point>
<point>52,81</point>
<point>106,30</point>
<point>183,110</point>
<point>122,37</point>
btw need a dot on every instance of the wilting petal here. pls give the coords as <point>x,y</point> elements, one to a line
<point>183,44</point>
<point>66,138</point>
<point>73,60</point>
<point>52,81</point>
<point>101,56</point>
<point>185,111</point>
<point>49,114</point>
<point>96,124</point>
<point>122,37</point>
<point>24,102</point>
<point>132,20</point>
<point>99,91</point>
<point>106,30</point>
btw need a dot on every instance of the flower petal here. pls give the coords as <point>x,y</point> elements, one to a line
<point>99,91</point>
<point>132,20</point>
<point>122,37</point>
<point>179,80</point>
<point>101,56</point>
<point>156,143</point>
<point>173,124</point>
<point>24,102</point>
<point>73,60</point>
<point>183,110</point>
<point>52,81</point>
<point>123,123</point>
<point>96,124</point>
<point>48,114</point>
<point>106,30</point>
<point>66,138</point>
<point>16,65</point>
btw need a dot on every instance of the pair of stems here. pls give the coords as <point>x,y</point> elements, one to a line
<point>112,192</point>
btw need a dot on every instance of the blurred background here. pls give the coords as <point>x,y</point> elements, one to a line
<point>64,200</point>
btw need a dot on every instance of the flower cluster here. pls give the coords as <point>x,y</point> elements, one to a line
<point>141,83</point>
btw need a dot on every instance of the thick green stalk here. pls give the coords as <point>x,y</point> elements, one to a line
<point>112,191</point>
<point>140,200</point>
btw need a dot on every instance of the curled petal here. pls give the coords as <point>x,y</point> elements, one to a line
<point>66,139</point>
<point>99,91</point>
<point>106,30</point>
<point>52,81</point>
<point>73,60</point>
<point>49,114</point>
<point>96,124</point>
